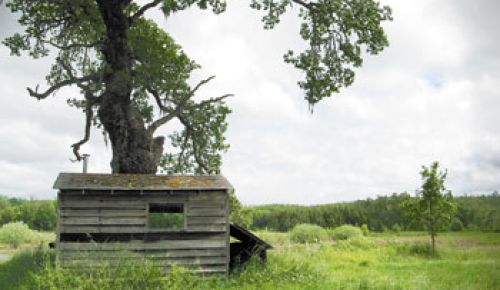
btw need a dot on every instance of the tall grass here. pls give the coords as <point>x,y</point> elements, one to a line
<point>385,262</point>
<point>16,273</point>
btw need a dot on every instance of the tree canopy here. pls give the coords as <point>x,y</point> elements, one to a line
<point>134,78</point>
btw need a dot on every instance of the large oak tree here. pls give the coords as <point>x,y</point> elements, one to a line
<point>133,77</point>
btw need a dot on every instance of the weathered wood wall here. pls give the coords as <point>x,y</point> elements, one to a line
<point>121,219</point>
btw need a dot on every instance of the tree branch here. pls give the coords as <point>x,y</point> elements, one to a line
<point>307,5</point>
<point>59,85</point>
<point>203,82</point>
<point>142,10</point>
<point>73,45</point>
<point>157,98</point>
<point>213,100</point>
<point>190,130</point>
<point>162,121</point>
<point>89,113</point>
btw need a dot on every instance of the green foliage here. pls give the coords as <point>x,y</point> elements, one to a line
<point>237,213</point>
<point>37,214</point>
<point>433,207</point>
<point>396,228</point>
<point>456,225</point>
<point>144,275</point>
<point>75,32</point>
<point>480,212</point>
<point>417,249</point>
<point>307,233</point>
<point>364,228</point>
<point>475,212</point>
<point>375,213</point>
<point>337,32</point>
<point>346,232</point>
<point>16,234</point>
<point>171,221</point>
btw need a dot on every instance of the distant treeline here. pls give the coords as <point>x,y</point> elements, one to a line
<point>37,214</point>
<point>380,214</point>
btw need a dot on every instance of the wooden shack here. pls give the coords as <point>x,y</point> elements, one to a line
<point>175,219</point>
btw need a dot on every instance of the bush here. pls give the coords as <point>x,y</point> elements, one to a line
<point>396,228</point>
<point>15,234</point>
<point>365,230</point>
<point>307,233</point>
<point>456,225</point>
<point>417,249</point>
<point>346,232</point>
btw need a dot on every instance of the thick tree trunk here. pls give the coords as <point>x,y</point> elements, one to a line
<point>125,127</point>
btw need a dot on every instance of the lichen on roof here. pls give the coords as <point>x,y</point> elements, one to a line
<point>140,181</point>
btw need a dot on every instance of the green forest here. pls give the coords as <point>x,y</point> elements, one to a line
<point>381,214</point>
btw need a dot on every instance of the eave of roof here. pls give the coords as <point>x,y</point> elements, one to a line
<point>245,235</point>
<point>95,181</point>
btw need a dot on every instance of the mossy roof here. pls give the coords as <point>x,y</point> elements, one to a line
<point>95,181</point>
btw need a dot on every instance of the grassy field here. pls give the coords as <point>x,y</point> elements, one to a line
<point>465,260</point>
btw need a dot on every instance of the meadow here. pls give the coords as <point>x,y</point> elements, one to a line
<point>464,260</point>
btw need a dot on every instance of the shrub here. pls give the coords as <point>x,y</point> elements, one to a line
<point>346,232</point>
<point>417,249</point>
<point>15,234</point>
<point>396,228</point>
<point>365,230</point>
<point>307,233</point>
<point>456,225</point>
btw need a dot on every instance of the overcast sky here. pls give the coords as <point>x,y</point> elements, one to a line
<point>432,95</point>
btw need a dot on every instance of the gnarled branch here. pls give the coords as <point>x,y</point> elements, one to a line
<point>89,114</point>
<point>59,85</point>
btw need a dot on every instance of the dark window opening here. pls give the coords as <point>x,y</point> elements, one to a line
<point>166,216</point>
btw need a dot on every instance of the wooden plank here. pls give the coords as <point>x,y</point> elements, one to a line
<point>205,204</point>
<point>206,212</point>
<point>157,261</point>
<point>207,228</point>
<point>139,245</point>
<point>195,269</point>
<point>211,252</point>
<point>136,199</point>
<point>101,212</point>
<point>103,229</point>
<point>100,204</point>
<point>104,221</point>
<point>208,196</point>
<point>197,220</point>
